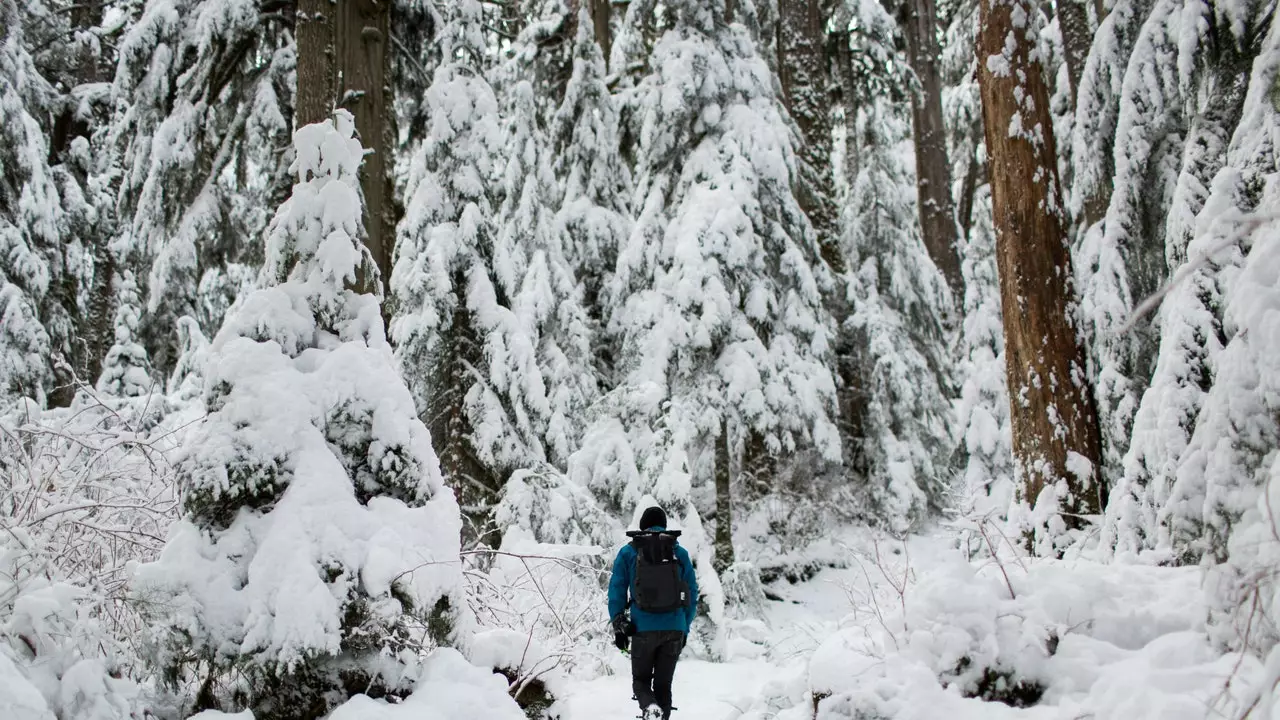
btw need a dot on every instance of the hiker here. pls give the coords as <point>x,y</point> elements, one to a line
<point>653,578</point>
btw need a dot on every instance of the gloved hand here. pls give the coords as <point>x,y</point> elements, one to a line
<point>622,631</point>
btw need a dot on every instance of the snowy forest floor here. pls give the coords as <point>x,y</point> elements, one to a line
<point>884,637</point>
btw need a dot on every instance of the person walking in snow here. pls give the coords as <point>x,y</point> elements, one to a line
<point>653,579</point>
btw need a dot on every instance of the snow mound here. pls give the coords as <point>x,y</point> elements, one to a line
<point>1043,638</point>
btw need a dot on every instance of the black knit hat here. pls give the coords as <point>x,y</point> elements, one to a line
<point>653,517</point>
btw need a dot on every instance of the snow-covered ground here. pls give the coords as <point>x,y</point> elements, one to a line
<point>885,637</point>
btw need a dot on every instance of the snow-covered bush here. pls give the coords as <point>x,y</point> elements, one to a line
<point>318,555</point>
<point>1072,639</point>
<point>84,495</point>
<point>550,594</point>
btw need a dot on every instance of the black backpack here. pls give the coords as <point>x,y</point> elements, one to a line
<point>657,586</point>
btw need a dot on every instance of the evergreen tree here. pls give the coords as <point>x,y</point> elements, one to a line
<point>717,298</point>
<point>989,489</point>
<point>594,214</point>
<point>1098,109</point>
<point>126,370</point>
<point>319,542</point>
<point>900,303</point>
<point>37,259</point>
<point>1181,99</point>
<point>470,363</point>
<point>203,95</point>
<point>547,298</point>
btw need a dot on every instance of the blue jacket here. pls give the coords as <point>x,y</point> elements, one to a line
<point>624,568</point>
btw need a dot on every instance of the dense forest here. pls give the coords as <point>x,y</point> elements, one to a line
<point>340,340</point>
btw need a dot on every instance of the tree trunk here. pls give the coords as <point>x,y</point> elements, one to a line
<point>724,502</point>
<point>802,70</point>
<point>600,10</point>
<point>1055,423</point>
<point>343,62</point>
<point>972,175</point>
<point>1073,21</point>
<point>933,166</point>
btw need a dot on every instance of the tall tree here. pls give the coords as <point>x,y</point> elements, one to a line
<point>31,219</point>
<point>594,213</point>
<point>470,363</point>
<point>50,224</point>
<point>1180,101</point>
<point>718,292</point>
<point>803,72</point>
<point>918,20</point>
<point>900,305</point>
<point>1055,426</point>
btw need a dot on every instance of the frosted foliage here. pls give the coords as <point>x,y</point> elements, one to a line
<point>555,509</point>
<point>31,218</point>
<point>899,299</point>
<point>84,495</point>
<point>1223,500</point>
<point>125,369</point>
<point>546,298</point>
<point>470,357</point>
<point>1160,502</point>
<point>203,96</point>
<point>1175,110</point>
<point>1234,447</point>
<point>984,396</point>
<point>716,297</point>
<point>1098,99</point>
<point>594,217</point>
<point>319,540</point>
<point>1117,261</point>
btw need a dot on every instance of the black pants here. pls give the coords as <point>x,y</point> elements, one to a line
<point>653,665</point>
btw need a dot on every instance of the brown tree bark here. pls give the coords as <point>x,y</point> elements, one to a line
<point>1052,407</point>
<point>343,62</point>
<point>919,21</point>
<point>802,70</point>
<point>600,10</point>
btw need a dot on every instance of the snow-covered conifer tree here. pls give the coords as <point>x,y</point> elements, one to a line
<point>319,548</point>
<point>469,361</point>
<point>203,95</point>
<point>32,224</point>
<point>594,214</point>
<point>546,297</point>
<point>984,396</point>
<point>126,370</point>
<point>1222,508</point>
<point>900,300</point>
<point>1179,102</point>
<point>717,298</point>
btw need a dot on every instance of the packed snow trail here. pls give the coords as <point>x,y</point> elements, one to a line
<point>701,691</point>
<point>790,629</point>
